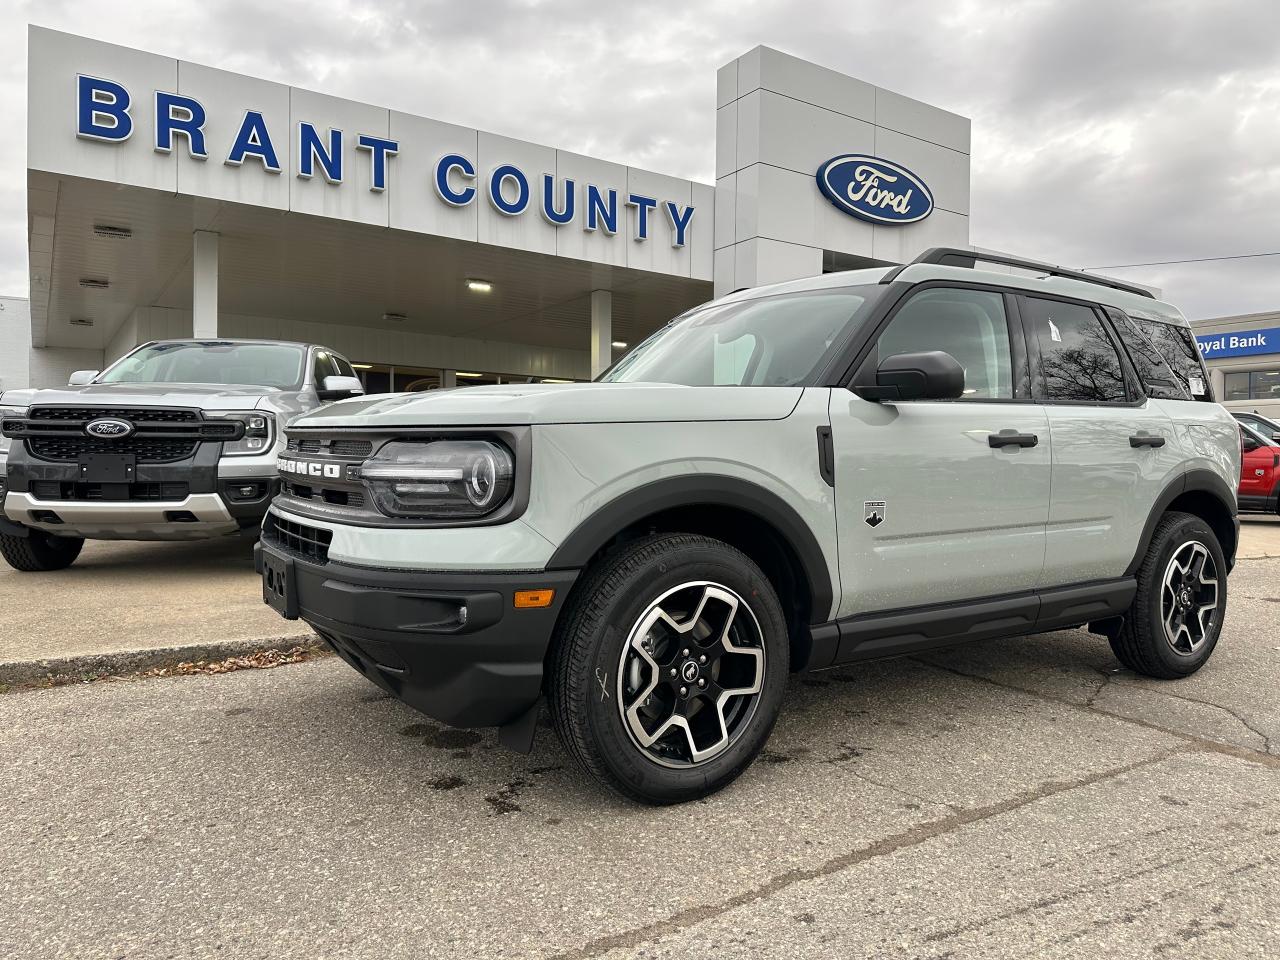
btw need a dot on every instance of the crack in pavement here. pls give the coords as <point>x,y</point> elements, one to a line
<point>1203,744</point>
<point>691,916</point>
<point>1230,711</point>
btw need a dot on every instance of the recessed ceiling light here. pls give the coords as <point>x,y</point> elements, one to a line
<point>479,286</point>
<point>554,380</point>
<point>94,284</point>
<point>112,233</point>
<point>362,366</point>
<point>459,373</point>
<point>619,344</point>
<point>395,317</point>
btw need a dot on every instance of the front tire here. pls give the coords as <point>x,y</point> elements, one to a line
<point>668,668</point>
<point>39,552</point>
<point>1176,617</point>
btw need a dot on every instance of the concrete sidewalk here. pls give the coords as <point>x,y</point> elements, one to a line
<point>131,606</point>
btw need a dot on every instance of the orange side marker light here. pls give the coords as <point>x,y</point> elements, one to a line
<point>531,599</point>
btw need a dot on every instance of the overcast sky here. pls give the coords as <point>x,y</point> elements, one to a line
<point>1104,131</point>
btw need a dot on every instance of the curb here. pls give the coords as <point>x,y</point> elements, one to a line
<point>26,673</point>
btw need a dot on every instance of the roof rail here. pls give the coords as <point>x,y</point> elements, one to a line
<point>956,257</point>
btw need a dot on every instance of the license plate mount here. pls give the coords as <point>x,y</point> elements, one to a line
<point>279,585</point>
<point>108,468</point>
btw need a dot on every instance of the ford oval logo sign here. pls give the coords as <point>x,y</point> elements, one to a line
<point>875,190</point>
<point>108,428</point>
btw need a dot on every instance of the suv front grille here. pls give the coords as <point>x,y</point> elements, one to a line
<point>311,543</point>
<point>350,449</point>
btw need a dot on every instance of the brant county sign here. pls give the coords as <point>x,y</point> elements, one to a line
<point>875,190</point>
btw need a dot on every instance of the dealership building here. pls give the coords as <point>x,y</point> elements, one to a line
<point>174,199</point>
<point>1243,357</point>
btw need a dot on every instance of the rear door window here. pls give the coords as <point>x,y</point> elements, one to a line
<point>1078,360</point>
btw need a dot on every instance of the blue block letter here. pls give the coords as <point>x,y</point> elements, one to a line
<point>554,216</point>
<point>311,149</point>
<point>679,222</point>
<point>254,141</point>
<point>102,110</point>
<point>643,205</point>
<point>500,176</point>
<point>447,163</point>
<point>600,214</point>
<point>183,116</point>
<point>379,149</point>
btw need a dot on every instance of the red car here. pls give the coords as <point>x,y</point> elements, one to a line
<point>1259,472</point>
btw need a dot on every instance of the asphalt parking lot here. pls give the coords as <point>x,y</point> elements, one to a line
<point>1020,798</point>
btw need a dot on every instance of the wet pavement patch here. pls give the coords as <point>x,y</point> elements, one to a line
<point>447,783</point>
<point>504,801</point>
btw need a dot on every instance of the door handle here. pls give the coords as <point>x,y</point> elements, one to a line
<point>1144,439</point>
<point>1011,438</point>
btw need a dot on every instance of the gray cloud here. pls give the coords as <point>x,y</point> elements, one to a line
<point>1105,131</point>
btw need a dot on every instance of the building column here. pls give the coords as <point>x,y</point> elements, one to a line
<point>601,331</point>
<point>204,288</point>
<point>448,378</point>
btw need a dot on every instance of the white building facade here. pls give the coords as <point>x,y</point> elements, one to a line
<point>172,199</point>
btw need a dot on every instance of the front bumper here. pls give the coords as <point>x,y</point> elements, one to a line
<point>204,496</point>
<point>407,633</point>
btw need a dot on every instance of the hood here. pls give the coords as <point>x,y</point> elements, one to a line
<point>558,403</point>
<point>206,396</point>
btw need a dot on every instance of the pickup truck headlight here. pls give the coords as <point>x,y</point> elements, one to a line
<point>5,442</point>
<point>440,479</point>
<point>259,430</point>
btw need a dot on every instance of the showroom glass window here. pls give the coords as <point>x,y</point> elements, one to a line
<point>1078,361</point>
<point>968,324</point>
<point>1251,385</point>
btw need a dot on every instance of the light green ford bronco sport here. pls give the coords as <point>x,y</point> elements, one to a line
<point>793,477</point>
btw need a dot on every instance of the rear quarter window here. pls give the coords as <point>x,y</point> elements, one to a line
<point>1157,375</point>
<point>1178,348</point>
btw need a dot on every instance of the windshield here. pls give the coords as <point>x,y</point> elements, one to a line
<point>767,342</point>
<point>256,364</point>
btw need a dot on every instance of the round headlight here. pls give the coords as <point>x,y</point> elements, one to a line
<point>483,480</point>
<point>440,479</point>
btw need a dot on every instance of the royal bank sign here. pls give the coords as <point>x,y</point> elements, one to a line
<point>104,113</point>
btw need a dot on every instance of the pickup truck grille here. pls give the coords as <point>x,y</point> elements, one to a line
<point>161,434</point>
<point>69,449</point>
<point>133,415</point>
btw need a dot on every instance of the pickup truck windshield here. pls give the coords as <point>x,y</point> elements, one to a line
<point>253,364</point>
<point>766,342</point>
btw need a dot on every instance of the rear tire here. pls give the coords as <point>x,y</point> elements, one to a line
<point>38,552</point>
<point>668,667</point>
<point>1174,623</point>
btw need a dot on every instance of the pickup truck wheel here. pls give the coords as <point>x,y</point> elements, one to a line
<point>669,667</point>
<point>1176,617</point>
<point>38,551</point>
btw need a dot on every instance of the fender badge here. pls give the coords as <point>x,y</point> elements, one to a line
<point>873,512</point>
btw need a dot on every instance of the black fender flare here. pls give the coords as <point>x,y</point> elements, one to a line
<point>702,490</point>
<point>1193,481</point>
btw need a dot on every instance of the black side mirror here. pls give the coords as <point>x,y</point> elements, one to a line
<point>929,375</point>
<point>1248,444</point>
